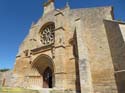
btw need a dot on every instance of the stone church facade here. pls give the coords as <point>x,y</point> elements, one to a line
<point>81,50</point>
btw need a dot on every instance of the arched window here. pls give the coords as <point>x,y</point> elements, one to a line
<point>47,35</point>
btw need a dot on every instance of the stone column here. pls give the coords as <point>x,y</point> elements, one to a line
<point>83,62</point>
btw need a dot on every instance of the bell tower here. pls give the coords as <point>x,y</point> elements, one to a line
<point>49,6</point>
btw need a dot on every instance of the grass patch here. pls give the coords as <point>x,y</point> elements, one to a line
<point>16,90</point>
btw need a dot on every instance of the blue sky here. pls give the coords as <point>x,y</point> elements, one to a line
<point>16,17</point>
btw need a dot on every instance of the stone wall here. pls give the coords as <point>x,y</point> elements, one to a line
<point>117,47</point>
<point>95,37</point>
<point>64,61</point>
<point>1,78</point>
<point>7,76</point>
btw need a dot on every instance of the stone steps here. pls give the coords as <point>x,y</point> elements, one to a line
<point>22,90</point>
<point>45,91</point>
<point>55,91</point>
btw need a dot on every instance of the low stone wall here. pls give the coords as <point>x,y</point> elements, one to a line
<point>1,79</point>
<point>7,76</point>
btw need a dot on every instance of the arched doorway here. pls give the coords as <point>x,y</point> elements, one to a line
<point>47,78</point>
<point>43,66</point>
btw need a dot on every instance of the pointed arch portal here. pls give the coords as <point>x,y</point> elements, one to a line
<point>43,64</point>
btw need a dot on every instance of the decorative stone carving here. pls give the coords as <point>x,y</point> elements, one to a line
<point>47,35</point>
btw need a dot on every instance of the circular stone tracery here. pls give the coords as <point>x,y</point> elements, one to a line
<point>47,34</point>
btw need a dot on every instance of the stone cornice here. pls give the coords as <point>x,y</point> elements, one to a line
<point>45,48</point>
<point>41,49</point>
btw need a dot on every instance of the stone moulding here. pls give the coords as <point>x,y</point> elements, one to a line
<point>42,49</point>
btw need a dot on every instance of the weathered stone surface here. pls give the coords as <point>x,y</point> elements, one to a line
<point>1,79</point>
<point>81,59</point>
<point>117,47</point>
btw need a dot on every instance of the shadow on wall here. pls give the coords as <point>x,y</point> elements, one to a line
<point>117,48</point>
<point>75,53</point>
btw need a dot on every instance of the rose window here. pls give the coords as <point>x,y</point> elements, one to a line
<point>47,34</point>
